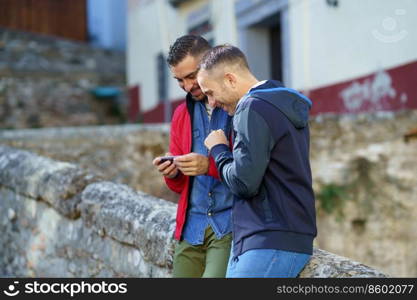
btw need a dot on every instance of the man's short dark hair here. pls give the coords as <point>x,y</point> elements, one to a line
<point>193,45</point>
<point>223,54</point>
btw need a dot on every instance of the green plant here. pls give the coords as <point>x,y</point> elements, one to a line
<point>332,197</point>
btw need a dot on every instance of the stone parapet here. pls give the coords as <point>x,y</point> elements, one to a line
<point>59,221</point>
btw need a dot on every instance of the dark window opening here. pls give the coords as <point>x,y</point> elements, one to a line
<point>162,78</point>
<point>276,52</point>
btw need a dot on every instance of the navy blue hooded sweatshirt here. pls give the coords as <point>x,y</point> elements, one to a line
<point>269,171</point>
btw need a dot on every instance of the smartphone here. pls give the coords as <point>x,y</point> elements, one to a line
<point>165,158</point>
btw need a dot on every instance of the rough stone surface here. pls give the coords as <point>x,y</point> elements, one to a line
<point>47,81</point>
<point>57,183</point>
<point>121,232</point>
<point>122,154</point>
<point>114,210</point>
<point>40,242</point>
<point>31,52</point>
<point>363,174</point>
<point>328,265</point>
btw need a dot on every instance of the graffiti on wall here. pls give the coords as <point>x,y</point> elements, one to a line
<point>372,91</point>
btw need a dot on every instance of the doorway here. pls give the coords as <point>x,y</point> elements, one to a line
<point>263,32</point>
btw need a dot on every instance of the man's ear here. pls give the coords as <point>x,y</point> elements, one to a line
<point>230,79</point>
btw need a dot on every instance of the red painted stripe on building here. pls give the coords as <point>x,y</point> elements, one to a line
<point>157,114</point>
<point>386,90</point>
<point>134,104</point>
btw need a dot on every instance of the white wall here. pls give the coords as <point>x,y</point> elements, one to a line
<point>326,45</point>
<point>333,44</point>
<point>151,29</point>
<point>153,25</point>
<point>224,22</point>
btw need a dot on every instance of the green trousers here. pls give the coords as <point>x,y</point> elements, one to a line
<point>207,260</point>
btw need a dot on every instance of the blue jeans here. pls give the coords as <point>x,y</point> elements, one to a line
<point>263,263</point>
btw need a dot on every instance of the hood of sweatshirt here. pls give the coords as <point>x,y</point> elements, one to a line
<point>294,105</point>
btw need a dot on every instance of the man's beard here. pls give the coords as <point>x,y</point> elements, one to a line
<point>204,99</point>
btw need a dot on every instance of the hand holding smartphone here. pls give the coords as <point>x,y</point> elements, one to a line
<point>169,170</point>
<point>166,158</point>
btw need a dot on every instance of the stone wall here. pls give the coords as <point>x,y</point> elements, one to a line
<point>58,220</point>
<point>47,81</point>
<point>122,154</point>
<point>363,174</point>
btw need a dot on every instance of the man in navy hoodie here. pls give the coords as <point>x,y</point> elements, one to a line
<point>273,215</point>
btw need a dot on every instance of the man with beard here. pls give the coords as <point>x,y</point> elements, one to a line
<point>203,222</point>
